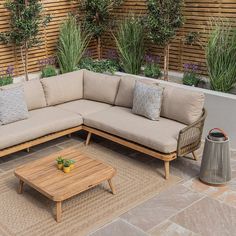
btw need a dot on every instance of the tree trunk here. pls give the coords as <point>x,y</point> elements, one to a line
<point>99,48</point>
<point>26,62</point>
<point>166,61</point>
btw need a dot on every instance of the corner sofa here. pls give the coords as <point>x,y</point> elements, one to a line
<point>101,104</point>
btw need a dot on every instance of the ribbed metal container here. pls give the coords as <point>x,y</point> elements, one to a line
<point>215,166</point>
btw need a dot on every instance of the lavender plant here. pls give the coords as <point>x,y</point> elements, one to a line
<point>191,77</point>
<point>152,66</point>
<point>6,76</point>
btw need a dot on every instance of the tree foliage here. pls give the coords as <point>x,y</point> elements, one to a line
<point>163,20</point>
<point>97,14</point>
<point>25,21</point>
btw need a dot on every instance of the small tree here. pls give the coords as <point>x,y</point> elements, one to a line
<point>163,20</point>
<point>26,20</point>
<point>97,17</point>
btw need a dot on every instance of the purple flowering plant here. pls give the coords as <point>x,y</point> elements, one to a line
<point>191,76</point>
<point>6,75</point>
<point>152,66</point>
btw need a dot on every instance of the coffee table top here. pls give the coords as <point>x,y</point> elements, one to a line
<point>44,176</point>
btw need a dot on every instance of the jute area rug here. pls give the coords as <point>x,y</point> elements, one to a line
<point>33,214</point>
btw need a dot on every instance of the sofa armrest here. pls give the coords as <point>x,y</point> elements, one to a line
<point>189,138</point>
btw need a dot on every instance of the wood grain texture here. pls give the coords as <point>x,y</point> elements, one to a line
<point>44,176</point>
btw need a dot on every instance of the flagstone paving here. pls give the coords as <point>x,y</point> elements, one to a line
<point>190,208</point>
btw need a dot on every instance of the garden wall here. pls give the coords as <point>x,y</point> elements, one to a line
<point>196,12</point>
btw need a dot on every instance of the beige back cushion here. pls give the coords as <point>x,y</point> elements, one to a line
<point>125,93</point>
<point>100,87</point>
<point>182,105</point>
<point>34,94</point>
<point>63,88</point>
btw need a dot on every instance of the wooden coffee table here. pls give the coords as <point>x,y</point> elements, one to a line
<point>58,186</point>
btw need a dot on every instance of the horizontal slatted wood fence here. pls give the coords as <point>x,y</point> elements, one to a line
<point>197,13</point>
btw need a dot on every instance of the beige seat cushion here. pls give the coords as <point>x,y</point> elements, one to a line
<point>84,107</point>
<point>182,105</point>
<point>63,88</point>
<point>125,92</point>
<point>41,122</point>
<point>159,135</point>
<point>100,87</point>
<point>34,94</point>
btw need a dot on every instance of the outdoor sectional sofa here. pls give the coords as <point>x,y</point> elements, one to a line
<point>101,104</point>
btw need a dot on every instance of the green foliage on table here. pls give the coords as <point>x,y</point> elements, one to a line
<point>49,71</point>
<point>71,46</point>
<point>130,44</point>
<point>100,66</point>
<point>152,70</point>
<point>221,55</point>
<point>163,20</point>
<point>67,163</point>
<point>60,160</point>
<point>26,19</point>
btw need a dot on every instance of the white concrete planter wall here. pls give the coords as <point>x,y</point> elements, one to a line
<point>221,109</point>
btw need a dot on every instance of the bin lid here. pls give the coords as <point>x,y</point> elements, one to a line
<point>217,134</point>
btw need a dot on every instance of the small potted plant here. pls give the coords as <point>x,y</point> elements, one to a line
<point>72,164</point>
<point>66,166</point>
<point>60,162</point>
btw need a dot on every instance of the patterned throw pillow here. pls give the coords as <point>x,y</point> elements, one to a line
<point>12,105</point>
<point>147,100</point>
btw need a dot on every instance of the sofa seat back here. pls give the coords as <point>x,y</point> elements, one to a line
<point>63,88</point>
<point>34,93</point>
<point>100,87</point>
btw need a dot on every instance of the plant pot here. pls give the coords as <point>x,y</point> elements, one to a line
<point>72,166</point>
<point>60,166</point>
<point>66,169</point>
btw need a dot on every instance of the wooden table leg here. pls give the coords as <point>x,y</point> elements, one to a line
<point>167,169</point>
<point>21,184</point>
<point>112,186</point>
<point>58,212</point>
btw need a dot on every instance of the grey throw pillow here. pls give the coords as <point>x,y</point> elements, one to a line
<point>147,100</point>
<point>13,105</point>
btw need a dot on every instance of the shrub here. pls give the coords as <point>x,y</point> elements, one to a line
<point>100,66</point>
<point>130,44</point>
<point>152,68</point>
<point>190,77</point>
<point>49,71</point>
<point>220,56</point>
<point>6,76</point>
<point>72,44</point>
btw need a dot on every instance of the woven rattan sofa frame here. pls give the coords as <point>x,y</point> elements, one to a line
<point>189,140</point>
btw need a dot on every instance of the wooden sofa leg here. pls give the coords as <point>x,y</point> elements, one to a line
<point>88,138</point>
<point>195,157</point>
<point>167,169</point>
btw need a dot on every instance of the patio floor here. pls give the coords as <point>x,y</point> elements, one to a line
<point>189,208</point>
